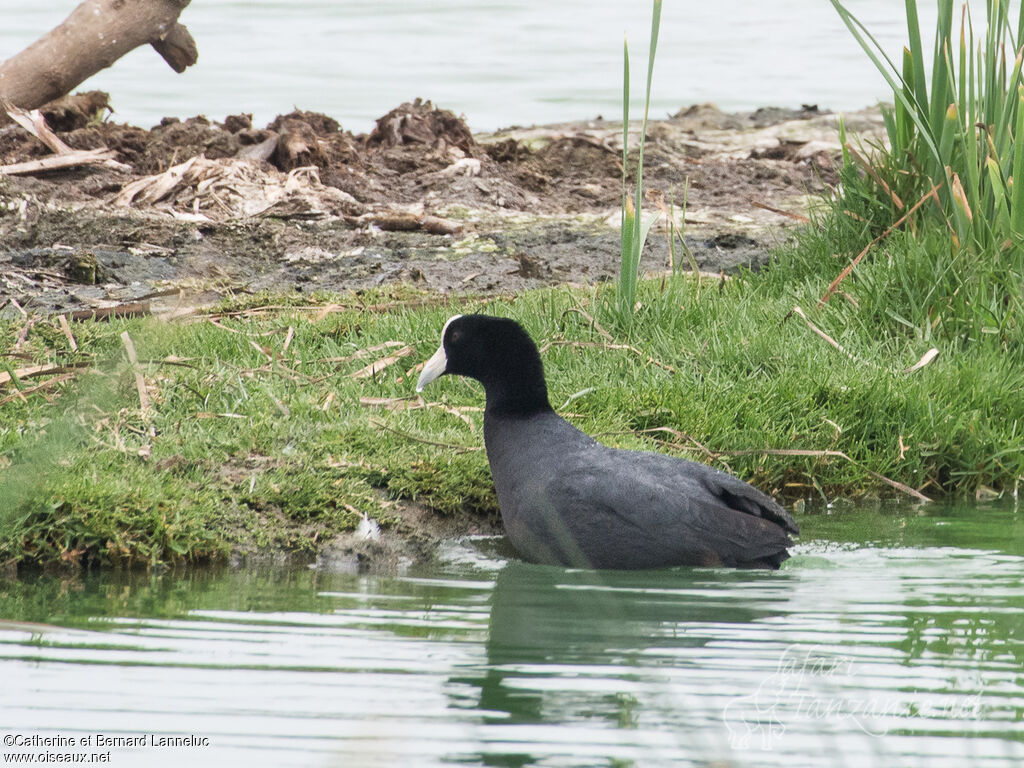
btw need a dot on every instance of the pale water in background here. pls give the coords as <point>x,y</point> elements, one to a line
<point>499,63</point>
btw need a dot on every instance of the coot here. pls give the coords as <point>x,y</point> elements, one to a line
<point>566,499</point>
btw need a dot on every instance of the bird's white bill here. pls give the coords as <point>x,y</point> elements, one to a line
<point>433,368</point>
<point>437,363</point>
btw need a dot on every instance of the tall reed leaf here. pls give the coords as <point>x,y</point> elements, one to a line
<point>634,229</point>
<point>962,131</point>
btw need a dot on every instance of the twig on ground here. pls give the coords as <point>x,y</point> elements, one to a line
<point>18,306</point>
<point>361,353</point>
<point>262,350</point>
<point>39,370</point>
<point>398,221</point>
<point>681,436</point>
<point>20,394</point>
<point>280,406</point>
<point>410,404</point>
<point>23,333</point>
<point>765,207</point>
<point>57,162</point>
<point>134,309</point>
<point>870,170</point>
<point>184,362</point>
<point>926,358</point>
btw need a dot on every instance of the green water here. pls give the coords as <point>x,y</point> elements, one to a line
<point>892,638</point>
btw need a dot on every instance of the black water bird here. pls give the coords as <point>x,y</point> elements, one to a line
<point>566,499</point>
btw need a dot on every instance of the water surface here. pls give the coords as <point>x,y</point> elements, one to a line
<point>890,638</point>
<point>514,61</point>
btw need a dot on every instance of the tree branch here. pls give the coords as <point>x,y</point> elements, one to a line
<point>94,36</point>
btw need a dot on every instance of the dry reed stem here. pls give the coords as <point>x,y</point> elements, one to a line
<point>795,216</point>
<point>593,322</point>
<point>821,333</point>
<point>408,404</point>
<point>66,329</point>
<point>379,365</point>
<point>20,394</point>
<point>850,267</point>
<point>681,436</point>
<point>870,171</point>
<point>39,370</point>
<point>823,454</point>
<point>140,381</point>
<point>926,358</point>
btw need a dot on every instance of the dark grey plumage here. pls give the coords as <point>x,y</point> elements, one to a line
<point>566,499</point>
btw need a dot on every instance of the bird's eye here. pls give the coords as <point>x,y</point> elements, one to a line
<point>456,335</point>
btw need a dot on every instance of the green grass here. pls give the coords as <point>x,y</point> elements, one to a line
<point>955,269</point>
<point>240,452</point>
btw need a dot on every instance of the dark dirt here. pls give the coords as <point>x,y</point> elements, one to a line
<point>305,205</point>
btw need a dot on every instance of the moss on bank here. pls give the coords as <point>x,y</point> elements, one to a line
<point>263,433</point>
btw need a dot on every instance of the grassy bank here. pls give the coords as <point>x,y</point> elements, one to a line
<point>260,434</point>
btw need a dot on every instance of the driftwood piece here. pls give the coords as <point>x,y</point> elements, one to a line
<point>95,35</point>
<point>55,162</point>
<point>135,309</point>
<point>35,123</point>
<point>177,48</point>
<point>400,221</point>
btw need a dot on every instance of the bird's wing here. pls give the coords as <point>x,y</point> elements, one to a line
<point>743,497</point>
<point>661,498</point>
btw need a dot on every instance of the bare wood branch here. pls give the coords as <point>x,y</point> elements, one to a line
<point>95,35</point>
<point>178,48</point>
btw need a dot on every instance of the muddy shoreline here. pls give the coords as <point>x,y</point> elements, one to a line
<point>200,210</point>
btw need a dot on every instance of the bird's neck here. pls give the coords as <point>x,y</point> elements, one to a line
<point>516,399</point>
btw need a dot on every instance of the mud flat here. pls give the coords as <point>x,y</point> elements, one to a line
<point>193,210</point>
